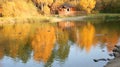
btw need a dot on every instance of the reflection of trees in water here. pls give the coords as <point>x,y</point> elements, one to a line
<point>60,55</point>
<point>20,51</point>
<point>91,34</point>
<point>111,33</point>
<point>66,32</point>
<point>17,31</point>
<point>62,36</point>
<point>112,40</point>
<point>14,42</point>
<point>61,51</point>
<point>2,51</point>
<point>43,42</point>
<point>86,36</point>
<point>70,29</point>
<point>63,47</point>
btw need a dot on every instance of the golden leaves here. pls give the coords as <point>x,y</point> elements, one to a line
<point>19,8</point>
<point>87,5</point>
<point>14,39</point>
<point>87,35</point>
<point>46,10</point>
<point>18,32</point>
<point>44,1</point>
<point>43,43</point>
<point>111,40</point>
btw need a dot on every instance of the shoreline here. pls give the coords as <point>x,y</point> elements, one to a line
<point>115,61</point>
<point>91,17</point>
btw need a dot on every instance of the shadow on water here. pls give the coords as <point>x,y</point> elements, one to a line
<point>56,44</point>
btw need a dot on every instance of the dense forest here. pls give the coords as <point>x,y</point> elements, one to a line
<point>50,7</point>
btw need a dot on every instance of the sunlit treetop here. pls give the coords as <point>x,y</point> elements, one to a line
<point>87,5</point>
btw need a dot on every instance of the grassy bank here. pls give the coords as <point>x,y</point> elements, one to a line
<point>89,17</point>
<point>11,20</point>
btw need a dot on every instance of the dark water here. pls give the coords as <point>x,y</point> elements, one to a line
<point>63,44</point>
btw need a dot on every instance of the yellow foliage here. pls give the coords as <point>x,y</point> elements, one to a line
<point>43,43</point>
<point>19,8</point>
<point>112,40</point>
<point>59,2</point>
<point>43,1</point>
<point>46,10</point>
<point>1,51</point>
<point>88,5</point>
<point>17,32</point>
<point>87,35</point>
<point>13,49</point>
<point>16,36</point>
<point>62,37</point>
<point>49,1</point>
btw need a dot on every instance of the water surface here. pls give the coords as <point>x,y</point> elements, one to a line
<point>62,44</point>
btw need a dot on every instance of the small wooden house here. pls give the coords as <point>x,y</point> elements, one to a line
<point>66,10</point>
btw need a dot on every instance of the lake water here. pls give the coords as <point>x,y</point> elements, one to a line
<point>61,44</point>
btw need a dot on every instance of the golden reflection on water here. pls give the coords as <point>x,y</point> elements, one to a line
<point>87,36</point>
<point>67,30</point>
<point>111,40</point>
<point>13,39</point>
<point>43,42</point>
<point>18,31</point>
<point>84,35</point>
<point>16,41</point>
<point>1,51</point>
<point>68,24</point>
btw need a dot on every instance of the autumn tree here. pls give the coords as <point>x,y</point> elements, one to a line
<point>19,8</point>
<point>87,5</point>
<point>110,6</point>
<point>42,6</point>
<point>48,6</point>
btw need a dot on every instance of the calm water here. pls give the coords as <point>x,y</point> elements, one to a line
<point>62,44</point>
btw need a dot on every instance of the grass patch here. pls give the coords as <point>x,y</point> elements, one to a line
<point>13,20</point>
<point>51,19</point>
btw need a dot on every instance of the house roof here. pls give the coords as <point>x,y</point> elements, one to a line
<point>66,5</point>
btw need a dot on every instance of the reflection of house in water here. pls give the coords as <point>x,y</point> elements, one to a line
<point>66,9</point>
<point>70,28</point>
<point>67,24</point>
